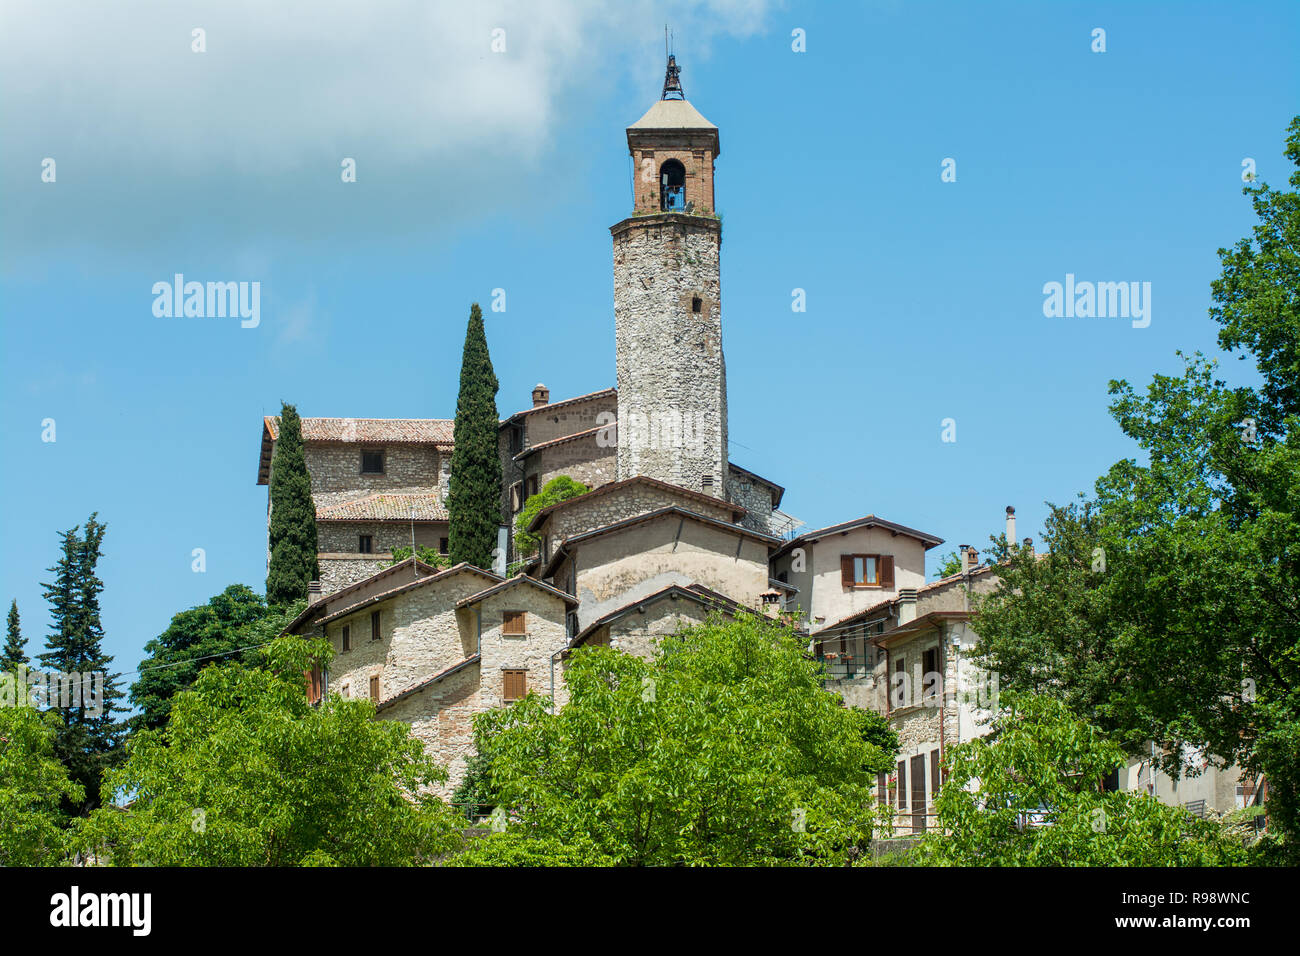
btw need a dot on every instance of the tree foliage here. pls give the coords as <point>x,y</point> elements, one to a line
<point>88,738</point>
<point>474,491</point>
<point>426,554</point>
<point>722,749</point>
<point>210,634</point>
<point>560,488</point>
<point>34,786</point>
<point>248,773</point>
<point>292,535</point>
<point>14,652</point>
<point>1169,604</point>
<point>1031,794</point>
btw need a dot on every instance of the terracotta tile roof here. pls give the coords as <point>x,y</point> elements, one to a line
<point>669,511</point>
<point>551,406</point>
<point>881,605</point>
<point>380,431</point>
<point>560,441</point>
<point>705,597</point>
<point>428,681</point>
<point>738,511</point>
<point>461,568</point>
<point>518,579</point>
<point>414,565</point>
<point>384,507</point>
<point>867,521</point>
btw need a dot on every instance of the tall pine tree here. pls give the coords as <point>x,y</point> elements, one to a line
<point>14,652</point>
<point>474,495</point>
<point>89,741</point>
<point>293,541</point>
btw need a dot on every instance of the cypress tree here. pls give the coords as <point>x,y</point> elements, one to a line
<point>292,538</point>
<point>89,740</point>
<point>474,493</point>
<point>14,652</point>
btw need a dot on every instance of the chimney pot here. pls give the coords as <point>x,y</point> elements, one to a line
<point>1011,526</point>
<point>541,395</point>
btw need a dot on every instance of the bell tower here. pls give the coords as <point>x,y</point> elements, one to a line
<point>672,380</point>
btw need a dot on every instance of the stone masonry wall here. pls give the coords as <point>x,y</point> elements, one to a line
<point>614,506</point>
<point>672,392</point>
<point>335,469</point>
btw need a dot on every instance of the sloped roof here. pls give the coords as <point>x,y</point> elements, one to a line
<point>552,406</point>
<point>427,682</point>
<point>705,597</point>
<point>413,564</point>
<point>385,507</point>
<point>462,568</point>
<point>672,114</point>
<point>517,580</point>
<point>867,521</point>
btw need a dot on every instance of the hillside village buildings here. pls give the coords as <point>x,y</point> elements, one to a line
<point>671,531</point>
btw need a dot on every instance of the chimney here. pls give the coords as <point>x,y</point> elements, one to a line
<point>972,559</point>
<point>541,395</point>
<point>1011,526</point>
<point>906,606</point>
<point>771,603</point>
<point>313,592</point>
<point>962,550</point>
<point>1029,543</point>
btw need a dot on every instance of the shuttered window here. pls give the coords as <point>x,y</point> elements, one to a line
<point>374,688</point>
<point>930,665</point>
<point>515,685</point>
<point>347,637</point>
<point>374,625</point>
<point>867,571</point>
<point>514,623</point>
<point>902,784</point>
<point>918,792</point>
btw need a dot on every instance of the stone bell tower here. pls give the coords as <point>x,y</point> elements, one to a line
<point>672,381</point>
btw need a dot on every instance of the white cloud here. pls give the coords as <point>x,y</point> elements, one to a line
<point>153,140</point>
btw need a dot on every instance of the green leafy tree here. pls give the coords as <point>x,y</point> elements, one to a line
<point>426,554</point>
<point>949,565</point>
<point>515,848</point>
<point>34,785</point>
<point>723,749</point>
<point>560,488</point>
<point>212,633</point>
<point>248,773</point>
<point>15,651</point>
<point>474,491</point>
<point>88,739</point>
<point>292,537</point>
<point>1168,608</point>
<point>1031,794</point>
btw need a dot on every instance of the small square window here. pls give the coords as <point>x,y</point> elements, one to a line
<point>365,544</point>
<point>515,685</point>
<point>444,545</point>
<point>697,305</point>
<point>514,623</point>
<point>372,462</point>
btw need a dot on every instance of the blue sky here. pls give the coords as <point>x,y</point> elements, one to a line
<point>479,170</point>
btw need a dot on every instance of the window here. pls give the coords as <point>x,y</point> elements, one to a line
<point>374,625</point>
<point>697,305</point>
<point>372,462</point>
<point>515,685</point>
<point>347,637</point>
<point>374,688</point>
<point>902,784</point>
<point>867,570</point>
<point>365,544</point>
<point>514,623</point>
<point>530,487</point>
<point>672,186</point>
<point>930,665</point>
<point>918,792</point>
<point>444,545</point>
